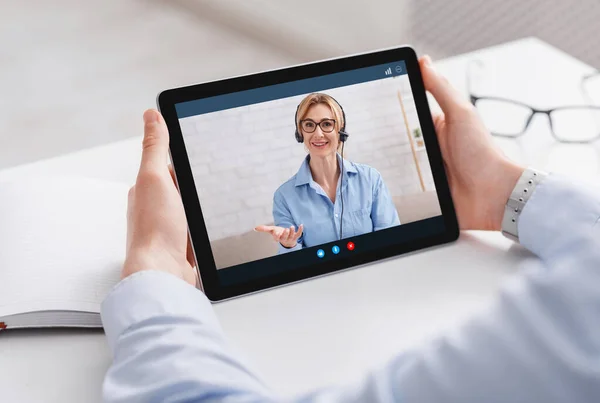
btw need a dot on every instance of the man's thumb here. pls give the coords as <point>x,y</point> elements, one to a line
<point>444,93</point>
<point>155,145</point>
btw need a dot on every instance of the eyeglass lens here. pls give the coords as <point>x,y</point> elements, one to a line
<point>573,124</point>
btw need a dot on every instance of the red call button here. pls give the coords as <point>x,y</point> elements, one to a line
<point>350,245</point>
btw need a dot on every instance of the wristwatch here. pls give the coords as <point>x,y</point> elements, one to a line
<point>518,198</point>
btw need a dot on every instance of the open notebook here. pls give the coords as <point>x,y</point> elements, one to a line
<point>62,246</point>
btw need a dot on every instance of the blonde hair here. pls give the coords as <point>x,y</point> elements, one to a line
<point>318,98</point>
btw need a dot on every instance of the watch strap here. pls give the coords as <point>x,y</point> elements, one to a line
<point>519,197</point>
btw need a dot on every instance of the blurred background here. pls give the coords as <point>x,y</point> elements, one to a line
<point>76,74</point>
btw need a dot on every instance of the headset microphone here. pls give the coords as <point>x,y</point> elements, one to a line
<point>343,135</point>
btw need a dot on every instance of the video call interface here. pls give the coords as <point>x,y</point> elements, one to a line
<point>308,170</point>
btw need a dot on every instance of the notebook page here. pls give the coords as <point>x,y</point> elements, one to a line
<point>53,319</point>
<point>62,243</point>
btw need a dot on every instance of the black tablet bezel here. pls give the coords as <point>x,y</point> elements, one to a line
<point>207,269</point>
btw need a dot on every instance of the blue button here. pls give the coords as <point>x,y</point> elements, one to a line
<point>320,253</point>
<point>335,249</point>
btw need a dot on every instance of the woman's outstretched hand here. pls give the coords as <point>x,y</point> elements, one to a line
<point>481,177</point>
<point>288,237</point>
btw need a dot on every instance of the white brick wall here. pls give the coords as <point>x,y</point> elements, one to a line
<point>240,156</point>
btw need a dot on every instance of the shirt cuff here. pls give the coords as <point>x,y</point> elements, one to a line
<point>283,249</point>
<point>558,209</point>
<point>148,294</point>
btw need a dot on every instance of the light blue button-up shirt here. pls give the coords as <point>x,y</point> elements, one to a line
<point>368,205</point>
<point>539,342</point>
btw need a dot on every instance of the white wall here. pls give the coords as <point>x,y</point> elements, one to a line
<point>240,156</point>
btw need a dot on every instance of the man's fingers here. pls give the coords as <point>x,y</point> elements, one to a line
<point>155,145</point>
<point>448,97</point>
<point>172,173</point>
<point>190,253</point>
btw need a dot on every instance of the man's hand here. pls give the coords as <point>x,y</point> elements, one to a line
<point>288,237</point>
<point>481,177</point>
<point>156,225</point>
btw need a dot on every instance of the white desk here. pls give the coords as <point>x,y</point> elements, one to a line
<point>331,329</point>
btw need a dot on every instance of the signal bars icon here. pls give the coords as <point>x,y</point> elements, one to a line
<point>388,72</point>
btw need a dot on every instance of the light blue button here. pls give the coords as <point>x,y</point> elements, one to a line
<point>320,253</point>
<point>335,249</point>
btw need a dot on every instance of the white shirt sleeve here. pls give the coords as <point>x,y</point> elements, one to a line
<point>168,346</point>
<point>539,341</point>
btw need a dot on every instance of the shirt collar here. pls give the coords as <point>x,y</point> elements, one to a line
<point>304,176</point>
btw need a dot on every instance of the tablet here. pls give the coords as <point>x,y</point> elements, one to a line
<point>295,173</point>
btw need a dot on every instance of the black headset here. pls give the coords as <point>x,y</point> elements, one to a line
<point>343,137</point>
<point>342,132</point>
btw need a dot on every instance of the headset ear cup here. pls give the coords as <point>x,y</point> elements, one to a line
<point>299,137</point>
<point>343,136</point>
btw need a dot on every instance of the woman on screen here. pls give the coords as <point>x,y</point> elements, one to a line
<point>329,198</point>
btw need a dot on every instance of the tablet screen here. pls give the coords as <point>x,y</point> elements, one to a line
<point>292,174</point>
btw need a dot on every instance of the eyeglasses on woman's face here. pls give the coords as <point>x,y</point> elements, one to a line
<point>309,125</point>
